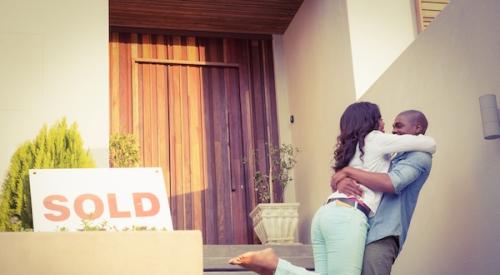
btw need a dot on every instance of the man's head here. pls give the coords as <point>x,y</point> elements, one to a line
<point>411,122</point>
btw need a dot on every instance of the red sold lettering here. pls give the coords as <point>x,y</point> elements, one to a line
<point>139,207</point>
<point>61,212</point>
<point>113,208</point>
<point>98,206</point>
<point>48,202</point>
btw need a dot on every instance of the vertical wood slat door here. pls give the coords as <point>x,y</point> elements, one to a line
<point>203,109</point>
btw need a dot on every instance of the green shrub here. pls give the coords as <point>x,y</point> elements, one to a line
<point>123,151</point>
<point>58,147</point>
<point>88,225</point>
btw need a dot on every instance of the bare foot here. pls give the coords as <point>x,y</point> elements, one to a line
<point>263,261</point>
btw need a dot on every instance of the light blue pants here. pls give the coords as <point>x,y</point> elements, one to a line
<point>338,236</point>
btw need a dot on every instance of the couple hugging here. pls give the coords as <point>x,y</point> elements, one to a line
<point>363,224</point>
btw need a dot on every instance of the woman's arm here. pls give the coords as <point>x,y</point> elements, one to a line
<point>380,182</point>
<point>390,143</point>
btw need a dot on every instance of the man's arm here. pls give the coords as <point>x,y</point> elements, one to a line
<point>349,187</point>
<point>401,175</point>
<point>406,171</point>
<point>380,182</point>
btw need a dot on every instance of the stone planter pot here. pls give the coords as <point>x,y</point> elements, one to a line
<point>275,223</point>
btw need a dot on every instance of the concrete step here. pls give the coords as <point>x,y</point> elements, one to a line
<point>215,257</point>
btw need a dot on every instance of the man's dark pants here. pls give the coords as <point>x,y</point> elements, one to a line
<point>380,256</point>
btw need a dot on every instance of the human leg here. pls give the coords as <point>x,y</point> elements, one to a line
<point>319,248</point>
<point>318,242</point>
<point>380,256</point>
<point>344,232</point>
<point>266,262</point>
<point>286,268</point>
<point>263,261</point>
<point>339,234</point>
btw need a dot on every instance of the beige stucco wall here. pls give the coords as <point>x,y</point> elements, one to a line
<point>54,64</point>
<point>283,105</point>
<point>101,253</point>
<point>318,68</point>
<point>455,229</point>
<point>443,72</point>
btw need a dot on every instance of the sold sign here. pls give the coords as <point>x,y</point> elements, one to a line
<point>121,197</point>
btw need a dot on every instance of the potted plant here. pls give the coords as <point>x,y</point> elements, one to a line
<point>123,150</point>
<point>273,220</point>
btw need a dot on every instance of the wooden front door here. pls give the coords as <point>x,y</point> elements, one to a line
<point>203,109</point>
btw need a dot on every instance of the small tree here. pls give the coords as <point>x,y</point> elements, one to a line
<point>282,161</point>
<point>123,151</point>
<point>58,147</point>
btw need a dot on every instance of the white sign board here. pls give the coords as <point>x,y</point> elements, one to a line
<point>120,197</point>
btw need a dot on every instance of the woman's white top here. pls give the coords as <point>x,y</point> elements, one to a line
<point>379,148</point>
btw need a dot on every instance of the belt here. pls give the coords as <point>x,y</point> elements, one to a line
<point>354,203</point>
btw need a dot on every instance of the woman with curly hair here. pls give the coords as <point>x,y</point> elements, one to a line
<point>339,227</point>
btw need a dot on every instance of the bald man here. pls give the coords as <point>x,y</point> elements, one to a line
<point>389,227</point>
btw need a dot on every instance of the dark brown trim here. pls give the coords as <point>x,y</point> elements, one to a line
<point>191,33</point>
<point>186,62</point>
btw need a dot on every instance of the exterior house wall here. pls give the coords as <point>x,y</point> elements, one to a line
<point>318,67</point>
<point>442,73</point>
<point>282,102</point>
<point>54,64</point>
<point>332,52</point>
<point>446,69</point>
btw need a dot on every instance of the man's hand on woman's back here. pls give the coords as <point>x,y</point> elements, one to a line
<point>349,187</point>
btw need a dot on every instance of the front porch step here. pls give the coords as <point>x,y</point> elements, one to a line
<point>215,257</point>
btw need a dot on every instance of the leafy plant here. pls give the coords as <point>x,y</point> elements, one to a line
<point>58,147</point>
<point>89,225</point>
<point>283,160</point>
<point>261,183</point>
<point>123,150</point>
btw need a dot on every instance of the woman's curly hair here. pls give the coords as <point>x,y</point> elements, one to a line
<point>357,121</point>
